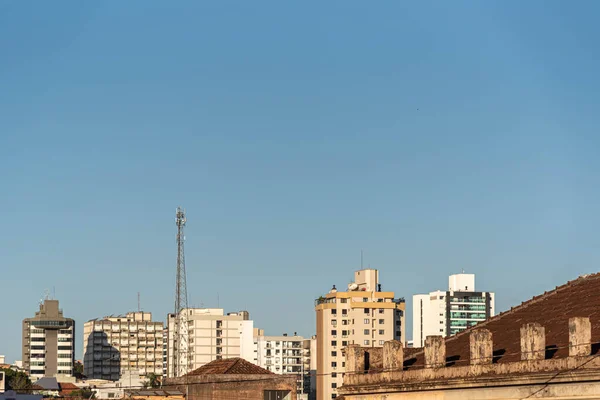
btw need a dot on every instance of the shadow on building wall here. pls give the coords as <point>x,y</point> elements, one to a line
<point>101,359</point>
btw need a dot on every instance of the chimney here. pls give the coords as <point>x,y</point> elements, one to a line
<point>393,355</point>
<point>481,345</point>
<point>355,359</point>
<point>533,342</point>
<point>580,337</point>
<point>435,352</point>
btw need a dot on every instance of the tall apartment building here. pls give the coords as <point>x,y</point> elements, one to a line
<point>362,315</point>
<point>48,345</point>
<point>212,336</point>
<point>285,355</point>
<point>449,312</point>
<point>116,345</point>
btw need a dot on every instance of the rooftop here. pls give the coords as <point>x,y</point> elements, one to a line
<point>552,310</point>
<point>230,366</point>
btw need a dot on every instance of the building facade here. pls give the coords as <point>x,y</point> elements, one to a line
<point>211,336</point>
<point>48,345</point>
<point>452,311</point>
<point>362,315</point>
<point>116,345</point>
<point>288,355</point>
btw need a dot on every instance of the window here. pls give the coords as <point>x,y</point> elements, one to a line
<point>398,333</point>
<point>344,322</point>
<point>441,330</point>
<point>334,332</point>
<point>366,320</point>
<point>345,343</point>
<point>365,299</point>
<point>381,311</point>
<point>111,395</point>
<point>343,300</point>
<point>333,311</point>
<point>334,364</point>
<point>398,323</point>
<point>334,342</point>
<point>381,332</point>
<point>334,354</point>
<point>333,395</point>
<point>381,342</point>
<point>366,342</point>
<point>366,332</point>
<point>64,347</point>
<point>441,322</point>
<point>38,339</point>
<point>333,385</point>
<point>343,364</point>
<point>334,374</point>
<point>382,321</point>
<point>333,322</point>
<point>366,311</point>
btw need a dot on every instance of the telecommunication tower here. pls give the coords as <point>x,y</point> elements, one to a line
<point>182,353</point>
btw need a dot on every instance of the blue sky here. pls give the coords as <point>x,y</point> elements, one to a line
<point>436,136</point>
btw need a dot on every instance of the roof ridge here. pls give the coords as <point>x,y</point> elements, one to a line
<point>523,304</point>
<point>237,360</point>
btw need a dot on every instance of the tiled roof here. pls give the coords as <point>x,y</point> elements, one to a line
<point>552,310</point>
<point>231,366</point>
<point>66,388</point>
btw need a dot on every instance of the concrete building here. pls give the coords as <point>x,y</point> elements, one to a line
<point>285,355</point>
<point>363,315</point>
<point>545,348</point>
<point>452,311</point>
<point>115,345</point>
<point>234,378</point>
<point>212,336</point>
<point>48,345</point>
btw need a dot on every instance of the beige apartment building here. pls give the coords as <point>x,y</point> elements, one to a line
<point>362,315</point>
<point>48,345</point>
<point>118,345</point>
<point>212,335</point>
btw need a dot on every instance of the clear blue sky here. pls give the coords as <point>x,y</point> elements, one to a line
<point>434,135</point>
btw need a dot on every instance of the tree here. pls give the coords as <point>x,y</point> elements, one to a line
<point>152,382</point>
<point>17,381</point>
<point>78,368</point>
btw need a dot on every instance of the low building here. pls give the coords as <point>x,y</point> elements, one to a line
<point>115,345</point>
<point>116,389</point>
<point>11,395</point>
<point>545,348</point>
<point>234,378</point>
<point>286,355</point>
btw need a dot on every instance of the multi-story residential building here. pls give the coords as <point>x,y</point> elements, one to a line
<point>48,345</point>
<point>211,336</point>
<point>165,352</point>
<point>115,345</point>
<point>287,355</point>
<point>362,315</point>
<point>449,312</point>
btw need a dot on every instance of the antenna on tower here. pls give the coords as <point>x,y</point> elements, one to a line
<point>181,351</point>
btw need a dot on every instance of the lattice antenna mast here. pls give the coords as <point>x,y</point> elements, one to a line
<point>181,353</point>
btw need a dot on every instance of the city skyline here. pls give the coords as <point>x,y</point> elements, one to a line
<point>435,139</point>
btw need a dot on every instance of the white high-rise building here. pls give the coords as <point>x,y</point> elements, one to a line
<point>211,336</point>
<point>48,342</point>
<point>116,345</point>
<point>448,312</point>
<point>285,355</point>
